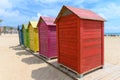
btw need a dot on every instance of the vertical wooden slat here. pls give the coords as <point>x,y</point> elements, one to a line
<point>102,52</point>
<point>79,43</point>
<point>58,48</point>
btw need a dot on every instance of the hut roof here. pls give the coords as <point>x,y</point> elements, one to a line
<point>48,20</point>
<point>25,26</point>
<point>19,27</point>
<point>81,13</point>
<point>33,23</point>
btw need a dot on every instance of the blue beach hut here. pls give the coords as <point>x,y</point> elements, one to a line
<point>20,33</point>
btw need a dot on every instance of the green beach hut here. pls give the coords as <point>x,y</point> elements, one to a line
<point>25,35</point>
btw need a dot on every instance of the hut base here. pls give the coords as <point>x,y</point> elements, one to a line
<point>65,69</point>
<point>48,58</point>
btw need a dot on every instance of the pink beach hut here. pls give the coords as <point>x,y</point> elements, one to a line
<point>47,37</point>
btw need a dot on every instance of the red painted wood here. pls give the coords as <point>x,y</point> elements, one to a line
<point>80,43</point>
<point>102,33</point>
<point>91,45</point>
<point>67,41</point>
<point>81,46</point>
<point>58,49</point>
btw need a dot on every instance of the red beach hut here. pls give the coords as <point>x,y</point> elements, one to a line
<point>47,37</point>
<point>80,39</point>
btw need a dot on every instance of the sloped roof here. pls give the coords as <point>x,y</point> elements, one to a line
<point>19,27</point>
<point>33,23</point>
<point>25,26</point>
<point>81,13</point>
<point>48,20</point>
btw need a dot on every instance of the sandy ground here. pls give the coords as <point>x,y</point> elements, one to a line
<point>18,64</point>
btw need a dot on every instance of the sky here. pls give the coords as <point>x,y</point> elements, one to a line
<point>15,12</point>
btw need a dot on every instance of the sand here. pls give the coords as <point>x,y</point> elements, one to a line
<point>18,64</point>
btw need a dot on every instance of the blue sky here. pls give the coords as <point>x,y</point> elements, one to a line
<point>14,12</point>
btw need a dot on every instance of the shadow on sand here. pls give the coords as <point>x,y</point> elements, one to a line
<point>32,60</point>
<point>48,73</point>
<point>23,53</point>
<point>45,71</point>
<point>18,47</point>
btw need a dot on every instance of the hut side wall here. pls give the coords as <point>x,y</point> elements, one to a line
<point>91,55</point>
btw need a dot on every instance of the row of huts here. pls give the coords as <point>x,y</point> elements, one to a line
<point>75,37</point>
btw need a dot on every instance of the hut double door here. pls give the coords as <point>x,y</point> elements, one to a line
<point>36,44</point>
<point>43,40</point>
<point>31,37</point>
<point>20,37</point>
<point>52,41</point>
<point>27,38</point>
<point>24,35</point>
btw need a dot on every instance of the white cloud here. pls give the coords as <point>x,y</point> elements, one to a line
<point>91,1</point>
<point>13,17</point>
<point>61,1</point>
<point>36,17</point>
<point>50,12</point>
<point>52,1</point>
<point>4,4</point>
<point>110,11</point>
<point>5,13</point>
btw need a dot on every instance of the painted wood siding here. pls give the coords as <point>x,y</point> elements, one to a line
<point>24,36</point>
<point>92,44</point>
<point>36,43</point>
<point>19,33</point>
<point>52,47</point>
<point>43,32</point>
<point>80,43</point>
<point>31,37</point>
<point>27,39</point>
<point>47,40</point>
<point>67,41</point>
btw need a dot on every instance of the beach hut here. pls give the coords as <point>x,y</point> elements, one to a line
<point>0,31</point>
<point>25,35</point>
<point>47,37</point>
<point>33,36</point>
<point>80,39</point>
<point>20,33</point>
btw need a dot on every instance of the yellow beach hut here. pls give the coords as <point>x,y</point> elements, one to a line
<point>33,36</point>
